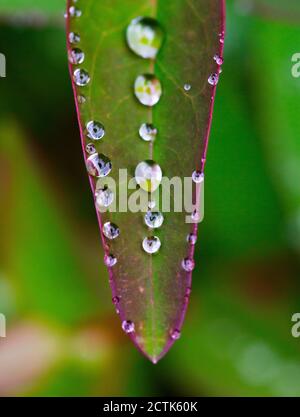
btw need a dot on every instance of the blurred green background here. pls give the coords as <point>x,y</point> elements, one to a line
<point>63,337</point>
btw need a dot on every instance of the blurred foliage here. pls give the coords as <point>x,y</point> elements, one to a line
<point>53,287</point>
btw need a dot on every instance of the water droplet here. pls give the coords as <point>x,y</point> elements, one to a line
<point>76,56</point>
<point>148,132</point>
<point>74,12</point>
<point>192,239</point>
<point>213,79</point>
<point>90,148</point>
<point>110,230</point>
<point>187,87</point>
<point>144,37</point>
<point>175,335</point>
<point>110,260</point>
<point>115,300</point>
<point>95,130</point>
<point>147,89</point>
<point>148,175</point>
<point>151,204</point>
<point>188,264</point>
<point>98,165</point>
<point>81,99</point>
<point>81,77</point>
<point>74,37</point>
<point>128,326</point>
<point>195,216</point>
<point>198,177</point>
<point>104,197</point>
<point>151,244</point>
<point>154,220</point>
<point>219,60</point>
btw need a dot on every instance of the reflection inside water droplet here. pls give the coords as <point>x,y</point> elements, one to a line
<point>148,175</point>
<point>95,130</point>
<point>128,326</point>
<point>144,37</point>
<point>151,244</point>
<point>104,197</point>
<point>110,260</point>
<point>148,132</point>
<point>147,89</point>
<point>76,56</point>
<point>110,230</point>
<point>81,77</point>
<point>98,165</point>
<point>188,264</point>
<point>154,220</point>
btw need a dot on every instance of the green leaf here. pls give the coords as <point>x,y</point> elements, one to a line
<point>152,289</point>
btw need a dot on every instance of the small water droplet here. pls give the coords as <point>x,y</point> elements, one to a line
<point>144,37</point>
<point>104,197</point>
<point>147,89</point>
<point>76,56</point>
<point>98,165</point>
<point>110,260</point>
<point>154,220</point>
<point>90,148</point>
<point>128,326</point>
<point>188,291</point>
<point>198,177</point>
<point>151,204</point>
<point>74,37</point>
<point>110,230</point>
<point>213,79</point>
<point>115,300</point>
<point>148,132</point>
<point>188,264</point>
<point>187,87</point>
<point>81,99</point>
<point>95,130</point>
<point>151,244</point>
<point>74,12</point>
<point>175,335</point>
<point>148,175</point>
<point>81,77</point>
<point>192,239</point>
<point>219,60</point>
<point>195,216</point>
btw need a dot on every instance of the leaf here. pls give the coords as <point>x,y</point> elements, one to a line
<point>152,290</point>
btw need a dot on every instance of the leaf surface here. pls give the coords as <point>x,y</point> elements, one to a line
<point>153,290</point>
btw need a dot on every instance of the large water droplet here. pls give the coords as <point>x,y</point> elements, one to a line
<point>148,175</point>
<point>198,177</point>
<point>145,36</point>
<point>188,264</point>
<point>81,77</point>
<point>213,79</point>
<point>74,37</point>
<point>110,260</point>
<point>154,220</point>
<point>128,326</point>
<point>148,132</point>
<point>151,244</point>
<point>110,230</point>
<point>147,89</point>
<point>76,56</point>
<point>104,197</point>
<point>175,335</point>
<point>95,130</point>
<point>98,165</point>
